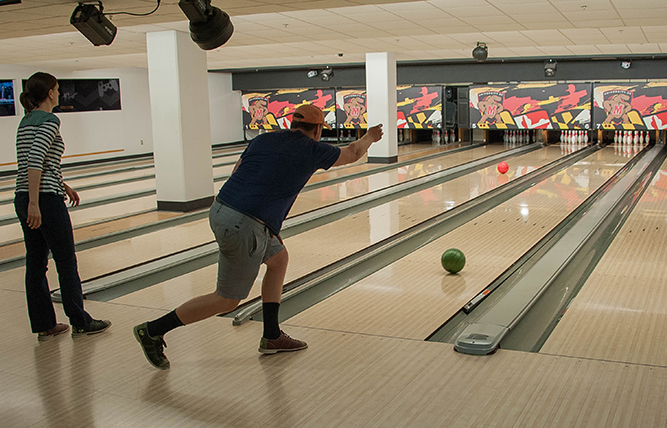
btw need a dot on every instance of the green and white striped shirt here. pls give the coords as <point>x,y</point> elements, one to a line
<point>40,146</point>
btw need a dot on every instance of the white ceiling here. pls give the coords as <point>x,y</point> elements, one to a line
<point>271,33</point>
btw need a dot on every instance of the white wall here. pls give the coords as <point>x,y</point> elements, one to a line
<point>226,112</point>
<point>125,132</point>
<point>88,135</point>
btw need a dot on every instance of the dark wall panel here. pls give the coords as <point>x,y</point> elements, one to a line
<point>455,72</point>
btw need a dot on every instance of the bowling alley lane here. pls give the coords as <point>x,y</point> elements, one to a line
<point>86,215</point>
<point>129,252</point>
<point>405,153</point>
<point>111,257</point>
<point>620,314</point>
<point>316,248</point>
<point>102,192</point>
<point>97,180</point>
<point>413,296</point>
<point>69,172</point>
<point>105,218</point>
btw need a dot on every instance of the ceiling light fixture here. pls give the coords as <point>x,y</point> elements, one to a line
<point>550,68</point>
<point>92,22</point>
<point>326,74</point>
<point>210,27</point>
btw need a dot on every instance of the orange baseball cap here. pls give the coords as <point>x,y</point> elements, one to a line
<point>308,113</point>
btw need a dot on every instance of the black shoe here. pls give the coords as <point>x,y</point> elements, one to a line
<point>94,327</point>
<point>153,347</point>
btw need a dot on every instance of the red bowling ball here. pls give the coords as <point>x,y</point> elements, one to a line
<point>503,167</point>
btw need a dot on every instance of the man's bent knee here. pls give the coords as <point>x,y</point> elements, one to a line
<point>278,261</point>
<point>225,304</point>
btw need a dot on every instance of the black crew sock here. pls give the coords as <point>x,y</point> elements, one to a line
<point>270,314</point>
<point>163,324</point>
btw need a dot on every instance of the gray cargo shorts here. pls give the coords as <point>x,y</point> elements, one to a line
<point>244,243</point>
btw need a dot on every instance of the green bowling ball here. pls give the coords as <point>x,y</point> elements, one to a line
<point>453,260</point>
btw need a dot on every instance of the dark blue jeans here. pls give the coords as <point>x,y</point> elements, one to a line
<point>54,234</point>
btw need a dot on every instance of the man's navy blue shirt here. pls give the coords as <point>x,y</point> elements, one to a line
<point>274,168</point>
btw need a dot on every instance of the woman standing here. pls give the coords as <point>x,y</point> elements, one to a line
<point>40,206</point>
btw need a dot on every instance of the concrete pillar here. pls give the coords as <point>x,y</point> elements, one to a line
<point>381,105</point>
<point>178,84</point>
<point>225,111</point>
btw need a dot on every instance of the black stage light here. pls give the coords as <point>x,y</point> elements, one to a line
<point>550,68</point>
<point>91,22</point>
<point>326,74</point>
<point>481,52</point>
<point>210,27</point>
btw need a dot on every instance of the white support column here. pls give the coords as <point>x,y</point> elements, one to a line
<point>381,105</point>
<point>181,121</point>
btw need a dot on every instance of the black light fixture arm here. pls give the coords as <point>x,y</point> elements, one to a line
<point>130,13</point>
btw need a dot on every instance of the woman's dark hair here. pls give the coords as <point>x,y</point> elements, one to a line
<point>37,90</point>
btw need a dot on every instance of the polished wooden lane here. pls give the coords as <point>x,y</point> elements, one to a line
<point>110,212</point>
<point>412,297</point>
<point>620,314</point>
<point>323,245</point>
<point>98,261</point>
<point>150,246</point>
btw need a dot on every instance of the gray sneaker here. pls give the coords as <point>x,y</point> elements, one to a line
<point>153,347</point>
<point>94,327</point>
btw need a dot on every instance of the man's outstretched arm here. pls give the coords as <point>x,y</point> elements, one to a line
<point>357,149</point>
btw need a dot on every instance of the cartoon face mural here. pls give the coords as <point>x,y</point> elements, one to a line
<point>351,108</point>
<point>258,109</point>
<point>531,106</point>
<point>631,107</point>
<point>273,110</point>
<point>355,108</point>
<point>491,106</point>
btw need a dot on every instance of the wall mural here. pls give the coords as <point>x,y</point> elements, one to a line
<point>351,109</point>
<point>634,106</point>
<point>419,107</point>
<point>273,110</point>
<point>531,106</point>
